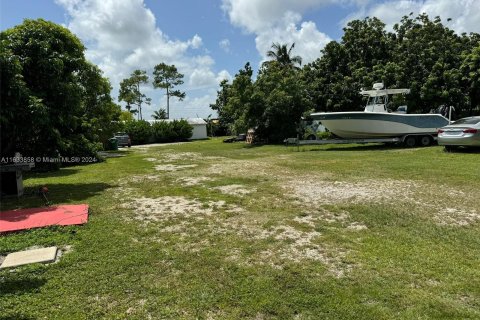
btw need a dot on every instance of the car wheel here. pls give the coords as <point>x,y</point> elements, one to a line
<point>312,137</point>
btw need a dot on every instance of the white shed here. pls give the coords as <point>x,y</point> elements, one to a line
<point>199,128</point>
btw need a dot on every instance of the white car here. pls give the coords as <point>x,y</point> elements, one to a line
<point>461,133</point>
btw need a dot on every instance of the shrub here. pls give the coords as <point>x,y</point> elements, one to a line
<point>162,131</point>
<point>182,129</point>
<point>139,131</point>
<point>177,130</point>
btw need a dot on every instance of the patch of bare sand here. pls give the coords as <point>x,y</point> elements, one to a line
<point>334,192</point>
<point>456,217</point>
<point>173,156</point>
<point>168,207</point>
<point>235,190</point>
<point>356,226</point>
<point>312,218</point>
<point>289,245</point>
<point>241,168</point>
<point>454,207</point>
<point>173,167</point>
<point>142,178</point>
<point>193,181</point>
<point>307,220</point>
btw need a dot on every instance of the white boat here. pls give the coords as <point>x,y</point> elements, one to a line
<point>377,121</point>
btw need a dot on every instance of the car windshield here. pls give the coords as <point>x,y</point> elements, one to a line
<point>467,121</point>
<point>120,134</point>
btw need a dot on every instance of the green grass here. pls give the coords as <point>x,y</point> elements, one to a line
<point>235,257</point>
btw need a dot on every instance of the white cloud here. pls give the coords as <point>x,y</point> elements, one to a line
<point>223,75</point>
<point>254,15</point>
<point>203,77</point>
<point>225,45</point>
<point>195,42</point>
<point>308,40</point>
<point>465,14</point>
<point>122,36</point>
<point>194,107</point>
<point>280,21</point>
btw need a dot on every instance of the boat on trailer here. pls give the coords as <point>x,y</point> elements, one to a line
<point>377,121</point>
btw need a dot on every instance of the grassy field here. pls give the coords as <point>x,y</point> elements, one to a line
<point>223,231</point>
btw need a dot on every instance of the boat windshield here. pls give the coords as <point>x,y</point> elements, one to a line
<point>376,100</point>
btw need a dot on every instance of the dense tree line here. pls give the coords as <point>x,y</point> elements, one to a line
<point>438,65</point>
<point>53,101</point>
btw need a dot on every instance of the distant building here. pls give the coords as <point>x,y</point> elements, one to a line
<point>199,127</point>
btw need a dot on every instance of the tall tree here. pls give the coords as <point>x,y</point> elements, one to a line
<point>224,118</point>
<point>277,103</point>
<point>167,77</point>
<point>131,94</point>
<point>53,100</point>
<point>471,76</point>
<point>282,55</point>
<point>429,55</point>
<point>234,99</point>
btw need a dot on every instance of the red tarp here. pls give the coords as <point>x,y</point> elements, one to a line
<point>62,215</point>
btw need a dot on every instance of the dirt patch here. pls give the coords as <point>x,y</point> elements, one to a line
<point>357,226</point>
<point>173,167</point>
<point>241,168</point>
<point>177,156</point>
<point>172,156</point>
<point>316,192</point>
<point>193,181</point>
<point>334,192</point>
<point>288,244</point>
<point>307,220</point>
<point>62,250</point>
<point>150,159</point>
<point>168,207</point>
<point>235,190</point>
<point>456,217</point>
<point>143,177</point>
<point>140,304</point>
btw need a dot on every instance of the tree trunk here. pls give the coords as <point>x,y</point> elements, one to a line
<point>168,104</point>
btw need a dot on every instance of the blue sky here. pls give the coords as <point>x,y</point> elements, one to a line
<point>210,40</point>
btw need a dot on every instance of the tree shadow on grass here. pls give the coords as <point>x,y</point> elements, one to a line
<point>364,147</point>
<point>15,317</point>
<point>47,174</point>
<point>58,193</point>
<point>20,286</point>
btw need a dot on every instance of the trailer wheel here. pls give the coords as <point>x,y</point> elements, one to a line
<point>410,141</point>
<point>425,141</point>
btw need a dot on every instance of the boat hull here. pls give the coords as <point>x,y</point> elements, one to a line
<point>363,125</point>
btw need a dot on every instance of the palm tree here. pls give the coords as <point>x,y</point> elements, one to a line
<point>160,114</point>
<point>281,54</point>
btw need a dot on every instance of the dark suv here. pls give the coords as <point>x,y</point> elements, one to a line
<point>123,139</point>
